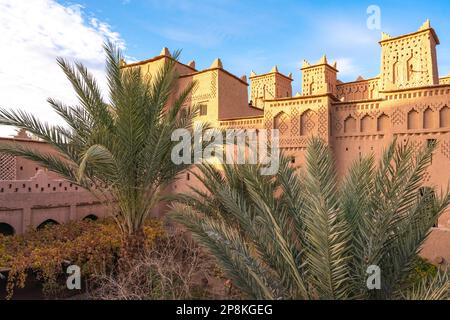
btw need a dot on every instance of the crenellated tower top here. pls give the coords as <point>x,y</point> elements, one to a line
<point>409,60</point>
<point>319,78</point>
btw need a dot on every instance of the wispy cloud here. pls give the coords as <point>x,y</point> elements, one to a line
<point>33,34</point>
<point>348,33</point>
<point>347,68</point>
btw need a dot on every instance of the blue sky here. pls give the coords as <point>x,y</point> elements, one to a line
<point>256,35</point>
<point>246,35</point>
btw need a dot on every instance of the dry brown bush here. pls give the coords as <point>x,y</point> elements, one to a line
<point>174,268</point>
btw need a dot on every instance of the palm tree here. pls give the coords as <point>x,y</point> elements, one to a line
<point>118,149</point>
<point>302,234</point>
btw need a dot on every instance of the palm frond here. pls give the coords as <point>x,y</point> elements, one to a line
<point>430,288</point>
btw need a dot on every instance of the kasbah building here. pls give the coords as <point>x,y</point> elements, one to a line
<point>407,100</point>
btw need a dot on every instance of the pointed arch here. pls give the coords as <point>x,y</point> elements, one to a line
<point>428,118</point>
<point>444,117</point>
<point>366,123</point>
<point>349,124</point>
<point>413,119</point>
<point>281,122</point>
<point>307,122</point>
<point>383,122</point>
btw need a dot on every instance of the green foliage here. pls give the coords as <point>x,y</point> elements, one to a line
<point>118,148</point>
<point>423,269</point>
<point>302,234</point>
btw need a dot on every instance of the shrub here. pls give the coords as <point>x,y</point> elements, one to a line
<point>173,268</point>
<point>308,234</point>
<point>93,246</point>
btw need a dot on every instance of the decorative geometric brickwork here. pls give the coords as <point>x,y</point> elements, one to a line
<point>268,122</point>
<point>374,113</point>
<point>294,142</point>
<point>445,148</point>
<point>281,122</point>
<point>213,87</point>
<point>301,142</point>
<point>337,124</point>
<point>405,60</point>
<point>307,122</point>
<point>426,176</point>
<point>323,122</point>
<point>7,167</point>
<point>417,146</point>
<point>286,142</point>
<point>398,117</point>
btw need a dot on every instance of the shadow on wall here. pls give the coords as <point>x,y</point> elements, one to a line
<point>47,223</point>
<point>91,217</point>
<point>6,229</point>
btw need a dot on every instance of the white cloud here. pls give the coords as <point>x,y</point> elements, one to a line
<point>348,34</point>
<point>347,68</point>
<point>33,34</point>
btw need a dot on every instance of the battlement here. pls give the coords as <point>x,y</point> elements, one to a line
<point>271,85</point>
<point>40,183</point>
<point>409,60</point>
<point>361,89</point>
<point>319,78</point>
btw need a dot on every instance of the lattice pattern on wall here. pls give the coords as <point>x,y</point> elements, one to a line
<point>406,61</point>
<point>398,117</point>
<point>426,176</point>
<point>337,124</point>
<point>213,87</point>
<point>323,122</point>
<point>268,122</point>
<point>282,123</point>
<point>300,142</point>
<point>417,146</point>
<point>7,167</point>
<point>445,148</point>
<point>308,122</point>
<point>294,142</point>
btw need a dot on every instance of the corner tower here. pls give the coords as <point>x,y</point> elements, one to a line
<point>319,78</point>
<point>410,60</point>
<point>272,85</point>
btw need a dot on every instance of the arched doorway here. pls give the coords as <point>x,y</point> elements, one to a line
<point>6,229</point>
<point>47,223</point>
